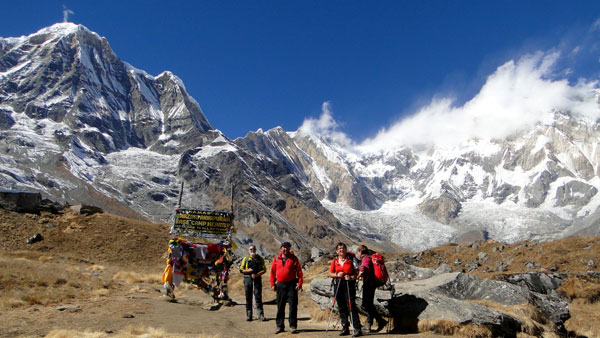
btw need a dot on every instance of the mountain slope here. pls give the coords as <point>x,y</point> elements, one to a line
<point>80,125</point>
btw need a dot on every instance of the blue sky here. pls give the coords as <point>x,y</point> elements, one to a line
<point>261,64</point>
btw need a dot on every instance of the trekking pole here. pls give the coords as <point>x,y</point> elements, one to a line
<point>333,305</point>
<point>350,307</point>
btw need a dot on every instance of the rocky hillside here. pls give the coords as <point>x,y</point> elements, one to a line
<point>521,289</point>
<point>86,257</point>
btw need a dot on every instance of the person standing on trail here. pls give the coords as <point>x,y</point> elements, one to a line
<point>253,267</point>
<point>344,274</point>
<point>286,279</point>
<point>367,275</point>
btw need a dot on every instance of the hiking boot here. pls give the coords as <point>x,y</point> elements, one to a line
<point>294,330</point>
<point>249,316</point>
<point>279,330</point>
<point>262,318</point>
<point>367,327</point>
<point>381,324</point>
<point>357,333</point>
<point>345,331</point>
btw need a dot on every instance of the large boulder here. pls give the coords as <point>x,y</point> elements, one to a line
<point>535,281</point>
<point>543,294</point>
<point>400,271</point>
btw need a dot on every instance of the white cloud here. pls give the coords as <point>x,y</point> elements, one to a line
<point>325,126</point>
<point>66,13</point>
<point>518,95</point>
<point>596,25</point>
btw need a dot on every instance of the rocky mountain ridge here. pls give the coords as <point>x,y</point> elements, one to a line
<point>79,124</point>
<point>538,184</point>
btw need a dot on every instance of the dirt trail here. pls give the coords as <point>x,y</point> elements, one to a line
<point>191,316</point>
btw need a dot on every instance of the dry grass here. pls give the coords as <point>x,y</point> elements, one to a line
<point>575,288</point>
<point>127,332</point>
<point>584,306</point>
<point>98,293</point>
<point>11,303</point>
<point>131,277</point>
<point>584,319</point>
<point>25,281</point>
<point>474,331</point>
<point>570,254</point>
<point>452,328</point>
<point>444,327</point>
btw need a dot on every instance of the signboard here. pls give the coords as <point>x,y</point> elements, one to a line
<point>202,223</point>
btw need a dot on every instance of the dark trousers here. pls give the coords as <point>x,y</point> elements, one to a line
<point>253,287</point>
<point>347,306</point>
<point>368,296</point>
<point>286,292</point>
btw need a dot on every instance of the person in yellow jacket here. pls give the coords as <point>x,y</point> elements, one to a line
<point>253,267</point>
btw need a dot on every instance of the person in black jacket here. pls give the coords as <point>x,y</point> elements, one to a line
<point>253,267</point>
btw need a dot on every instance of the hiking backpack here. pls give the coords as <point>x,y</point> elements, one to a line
<point>379,269</point>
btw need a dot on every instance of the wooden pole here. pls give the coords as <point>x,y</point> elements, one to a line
<point>232,199</point>
<point>180,195</point>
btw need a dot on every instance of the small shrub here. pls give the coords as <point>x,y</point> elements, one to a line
<point>443,327</point>
<point>474,331</point>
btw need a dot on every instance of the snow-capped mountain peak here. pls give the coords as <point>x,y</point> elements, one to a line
<point>79,124</point>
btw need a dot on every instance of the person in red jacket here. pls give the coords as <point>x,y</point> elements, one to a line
<point>344,274</point>
<point>286,279</point>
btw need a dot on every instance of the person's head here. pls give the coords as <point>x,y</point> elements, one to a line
<point>363,250</point>
<point>252,250</point>
<point>341,249</point>
<point>285,248</point>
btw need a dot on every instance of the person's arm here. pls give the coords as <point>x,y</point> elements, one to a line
<point>298,274</point>
<point>361,269</point>
<point>332,272</point>
<point>263,268</point>
<point>243,265</point>
<point>273,272</point>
